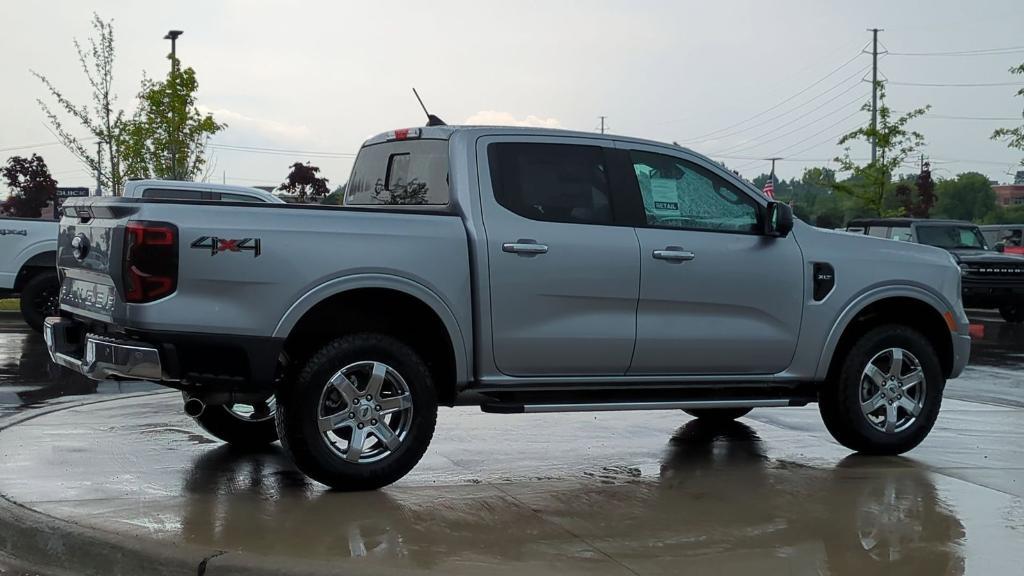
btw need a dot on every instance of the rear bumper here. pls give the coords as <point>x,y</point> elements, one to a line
<point>100,357</point>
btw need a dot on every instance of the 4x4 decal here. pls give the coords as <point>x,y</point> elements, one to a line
<point>215,245</point>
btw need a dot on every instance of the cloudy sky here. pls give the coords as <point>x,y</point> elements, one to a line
<point>738,80</point>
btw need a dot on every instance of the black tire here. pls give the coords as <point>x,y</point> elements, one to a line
<point>299,410</point>
<point>839,401</point>
<point>718,414</point>
<point>255,431</point>
<point>1013,312</point>
<point>40,298</point>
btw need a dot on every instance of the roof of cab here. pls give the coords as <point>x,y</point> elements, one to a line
<point>446,132</point>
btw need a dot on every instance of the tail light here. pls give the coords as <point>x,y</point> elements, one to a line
<point>150,261</point>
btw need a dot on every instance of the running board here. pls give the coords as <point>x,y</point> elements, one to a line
<point>530,408</point>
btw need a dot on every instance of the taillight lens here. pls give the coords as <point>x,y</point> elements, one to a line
<point>150,261</point>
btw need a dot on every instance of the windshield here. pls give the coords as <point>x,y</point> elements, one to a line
<point>952,237</point>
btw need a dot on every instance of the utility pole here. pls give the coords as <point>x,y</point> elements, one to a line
<point>99,160</point>
<point>602,128</point>
<point>874,89</point>
<point>172,35</point>
<point>773,159</point>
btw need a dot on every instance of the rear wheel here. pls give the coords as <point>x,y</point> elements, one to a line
<point>887,394</point>
<point>40,298</point>
<point>361,413</point>
<point>1013,312</point>
<point>243,425</point>
<point>719,414</point>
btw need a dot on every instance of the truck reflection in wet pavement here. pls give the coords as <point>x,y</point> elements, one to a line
<point>720,503</point>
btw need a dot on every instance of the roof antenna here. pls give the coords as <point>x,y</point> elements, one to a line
<point>431,119</point>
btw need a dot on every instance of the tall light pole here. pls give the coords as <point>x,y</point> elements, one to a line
<point>172,35</point>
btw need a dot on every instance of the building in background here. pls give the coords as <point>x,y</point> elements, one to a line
<point>1011,194</point>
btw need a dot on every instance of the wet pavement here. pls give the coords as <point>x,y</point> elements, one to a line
<point>604,493</point>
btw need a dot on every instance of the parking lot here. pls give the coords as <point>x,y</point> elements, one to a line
<point>118,469</point>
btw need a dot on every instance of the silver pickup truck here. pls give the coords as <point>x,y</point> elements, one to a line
<point>515,269</point>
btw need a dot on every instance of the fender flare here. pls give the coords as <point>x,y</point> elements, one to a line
<point>867,298</point>
<point>412,288</point>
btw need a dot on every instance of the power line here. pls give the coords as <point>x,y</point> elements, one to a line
<point>979,52</point>
<point>791,110</point>
<point>833,138</point>
<point>981,118</point>
<point>282,151</point>
<point>816,134</point>
<point>962,85</point>
<point>12,148</point>
<point>748,146</point>
<point>785,101</point>
<point>841,49</point>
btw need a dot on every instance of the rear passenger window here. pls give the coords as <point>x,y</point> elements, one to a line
<point>409,172</point>
<point>172,194</point>
<point>879,231</point>
<point>551,182</point>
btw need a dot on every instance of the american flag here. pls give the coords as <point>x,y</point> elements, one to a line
<point>769,187</point>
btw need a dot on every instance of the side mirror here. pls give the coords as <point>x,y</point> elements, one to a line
<point>1000,247</point>
<point>779,220</point>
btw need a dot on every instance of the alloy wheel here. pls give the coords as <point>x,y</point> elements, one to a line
<point>892,390</point>
<point>365,412</point>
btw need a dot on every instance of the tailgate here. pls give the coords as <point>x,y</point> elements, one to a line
<point>89,254</point>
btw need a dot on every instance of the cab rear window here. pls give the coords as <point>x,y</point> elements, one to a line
<point>413,172</point>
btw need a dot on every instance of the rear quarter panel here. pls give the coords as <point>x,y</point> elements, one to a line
<point>305,255</point>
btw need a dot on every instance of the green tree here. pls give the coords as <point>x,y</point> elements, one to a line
<point>100,119</point>
<point>1008,215</point>
<point>304,182</point>
<point>969,196</point>
<point>30,184</point>
<point>871,183</point>
<point>167,136</point>
<point>1014,137</point>
<point>335,198</point>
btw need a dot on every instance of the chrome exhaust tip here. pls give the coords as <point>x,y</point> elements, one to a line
<point>194,407</point>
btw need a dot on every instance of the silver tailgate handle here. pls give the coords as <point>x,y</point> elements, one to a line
<point>522,247</point>
<point>675,254</point>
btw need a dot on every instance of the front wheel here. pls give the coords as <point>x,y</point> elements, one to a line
<point>40,298</point>
<point>1012,312</point>
<point>887,394</point>
<point>361,413</point>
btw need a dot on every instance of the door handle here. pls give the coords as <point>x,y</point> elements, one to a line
<point>524,248</point>
<point>675,254</point>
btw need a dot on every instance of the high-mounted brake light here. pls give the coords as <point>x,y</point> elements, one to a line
<point>404,134</point>
<point>150,261</point>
